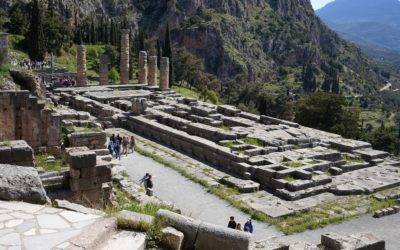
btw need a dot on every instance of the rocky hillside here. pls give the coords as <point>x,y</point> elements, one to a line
<point>264,41</point>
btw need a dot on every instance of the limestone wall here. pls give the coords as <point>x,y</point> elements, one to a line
<point>24,117</point>
<point>16,153</point>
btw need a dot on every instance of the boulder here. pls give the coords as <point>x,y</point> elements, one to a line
<point>21,184</point>
<point>172,238</point>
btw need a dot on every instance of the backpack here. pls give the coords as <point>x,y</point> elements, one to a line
<point>149,184</point>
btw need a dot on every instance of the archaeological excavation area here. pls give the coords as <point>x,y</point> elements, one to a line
<point>276,171</point>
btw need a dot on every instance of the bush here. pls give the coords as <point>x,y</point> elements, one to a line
<point>113,75</point>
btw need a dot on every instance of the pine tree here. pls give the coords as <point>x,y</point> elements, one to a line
<point>158,53</point>
<point>167,52</point>
<point>93,33</point>
<point>141,41</point>
<point>335,83</point>
<point>37,43</point>
<point>309,81</point>
<point>326,86</point>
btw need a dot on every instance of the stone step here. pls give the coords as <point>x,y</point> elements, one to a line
<point>95,236</point>
<point>52,180</point>
<point>126,240</point>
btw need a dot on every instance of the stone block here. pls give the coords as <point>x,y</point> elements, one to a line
<point>127,218</point>
<point>379,214</point>
<point>188,226</point>
<point>172,238</point>
<point>359,241</point>
<point>86,159</point>
<point>396,208</point>
<point>215,237</point>
<point>335,171</point>
<point>5,155</point>
<point>88,183</point>
<point>75,173</point>
<point>303,246</point>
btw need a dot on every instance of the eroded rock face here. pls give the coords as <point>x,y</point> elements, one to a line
<point>21,184</point>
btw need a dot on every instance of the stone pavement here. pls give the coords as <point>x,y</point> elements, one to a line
<point>30,227</point>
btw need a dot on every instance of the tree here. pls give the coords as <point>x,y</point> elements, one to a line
<point>209,95</point>
<point>18,23</point>
<point>37,43</point>
<point>309,81</point>
<point>158,53</point>
<point>328,112</point>
<point>326,86</point>
<point>167,52</point>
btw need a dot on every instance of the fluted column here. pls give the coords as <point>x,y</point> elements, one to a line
<point>3,48</point>
<point>81,66</point>
<point>103,76</point>
<point>124,57</point>
<point>164,73</point>
<point>152,66</point>
<point>143,67</point>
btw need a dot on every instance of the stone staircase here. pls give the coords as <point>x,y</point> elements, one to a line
<point>54,181</point>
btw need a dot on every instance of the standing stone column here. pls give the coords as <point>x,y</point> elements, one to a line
<point>164,73</point>
<point>3,48</point>
<point>143,67</point>
<point>152,77</point>
<point>81,66</point>
<point>103,78</point>
<point>124,56</point>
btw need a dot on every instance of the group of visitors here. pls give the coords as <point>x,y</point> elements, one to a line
<point>116,143</point>
<point>27,64</point>
<point>248,226</point>
<point>67,81</point>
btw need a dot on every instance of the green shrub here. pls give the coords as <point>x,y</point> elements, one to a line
<point>113,75</point>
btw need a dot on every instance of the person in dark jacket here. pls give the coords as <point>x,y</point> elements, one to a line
<point>232,223</point>
<point>248,226</point>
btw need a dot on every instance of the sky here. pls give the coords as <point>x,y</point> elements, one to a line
<point>320,3</point>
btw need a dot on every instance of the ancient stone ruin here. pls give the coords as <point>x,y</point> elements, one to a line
<point>124,57</point>
<point>81,66</point>
<point>153,70</point>
<point>164,73</point>
<point>103,74</point>
<point>3,48</point>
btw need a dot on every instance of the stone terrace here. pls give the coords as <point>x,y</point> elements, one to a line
<point>291,162</point>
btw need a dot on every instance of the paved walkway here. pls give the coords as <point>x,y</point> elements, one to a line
<point>190,197</point>
<point>35,227</point>
<point>196,202</point>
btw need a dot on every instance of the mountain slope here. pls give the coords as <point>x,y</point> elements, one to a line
<point>376,22</point>
<point>262,41</point>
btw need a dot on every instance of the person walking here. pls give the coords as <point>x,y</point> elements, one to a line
<point>125,144</point>
<point>117,149</point>
<point>148,184</point>
<point>132,143</point>
<point>232,223</point>
<point>110,148</point>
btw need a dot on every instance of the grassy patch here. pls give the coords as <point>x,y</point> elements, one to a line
<point>289,179</point>
<point>352,159</point>
<point>230,144</point>
<point>293,164</point>
<point>254,141</point>
<point>5,143</point>
<point>186,92</point>
<point>5,70</point>
<point>58,165</point>
<point>378,205</point>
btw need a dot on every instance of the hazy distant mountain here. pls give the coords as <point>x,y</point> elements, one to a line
<point>373,22</point>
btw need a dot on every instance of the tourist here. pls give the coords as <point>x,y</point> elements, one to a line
<point>239,227</point>
<point>132,143</point>
<point>119,139</point>
<point>232,223</point>
<point>248,226</point>
<point>247,230</point>
<point>148,183</point>
<point>117,149</point>
<point>110,147</point>
<point>112,138</point>
<point>125,144</point>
